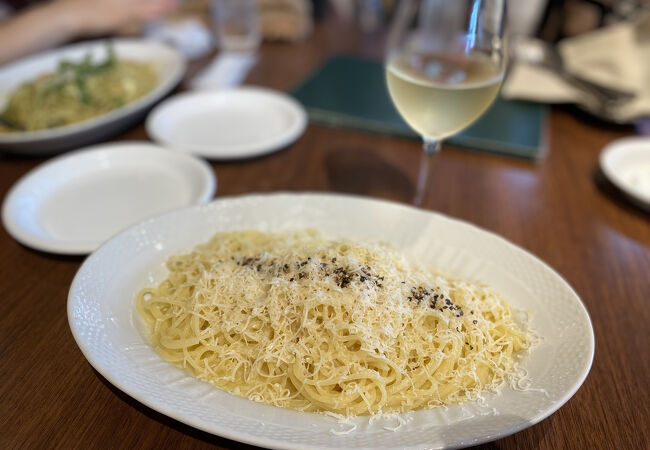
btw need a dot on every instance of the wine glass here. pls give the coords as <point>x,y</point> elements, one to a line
<point>444,66</point>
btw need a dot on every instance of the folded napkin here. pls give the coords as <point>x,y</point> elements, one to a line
<point>226,70</point>
<point>190,36</point>
<point>617,56</point>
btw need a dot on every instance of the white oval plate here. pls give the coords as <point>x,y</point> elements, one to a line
<point>108,331</point>
<point>626,162</point>
<point>167,62</point>
<point>73,203</point>
<point>228,124</point>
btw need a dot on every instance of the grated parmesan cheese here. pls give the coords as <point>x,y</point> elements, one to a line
<point>298,321</point>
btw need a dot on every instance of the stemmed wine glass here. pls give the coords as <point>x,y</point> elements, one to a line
<point>444,67</point>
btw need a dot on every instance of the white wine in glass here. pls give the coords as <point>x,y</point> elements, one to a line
<point>439,95</point>
<point>444,67</point>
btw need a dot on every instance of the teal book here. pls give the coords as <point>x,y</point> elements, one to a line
<point>351,92</point>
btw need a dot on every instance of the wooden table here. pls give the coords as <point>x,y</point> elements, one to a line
<point>559,209</point>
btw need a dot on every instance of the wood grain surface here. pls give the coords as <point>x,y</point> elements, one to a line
<point>560,209</point>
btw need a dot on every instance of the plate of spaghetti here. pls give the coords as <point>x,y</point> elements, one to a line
<point>327,321</point>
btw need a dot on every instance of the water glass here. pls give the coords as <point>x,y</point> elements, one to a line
<point>236,24</point>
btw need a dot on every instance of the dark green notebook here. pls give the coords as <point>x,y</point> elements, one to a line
<point>351,92</point>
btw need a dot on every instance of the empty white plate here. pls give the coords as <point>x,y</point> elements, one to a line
<point>228,124</point>
<point>626,162</point>
<point>73,203</point>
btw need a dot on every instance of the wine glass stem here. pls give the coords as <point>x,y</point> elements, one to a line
<point>430,147</point>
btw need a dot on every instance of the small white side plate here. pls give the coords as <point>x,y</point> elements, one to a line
<point>228,124</point>
<point>73,203</point>
<point>626,162</point>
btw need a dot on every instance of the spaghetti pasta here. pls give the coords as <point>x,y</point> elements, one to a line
<point>301,322</point>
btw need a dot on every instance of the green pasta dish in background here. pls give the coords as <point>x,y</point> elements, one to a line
<point>75,92</point>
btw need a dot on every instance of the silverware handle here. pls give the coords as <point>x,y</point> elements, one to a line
<point>602,92</point>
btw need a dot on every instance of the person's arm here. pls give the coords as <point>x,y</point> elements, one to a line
<point>55,22</point>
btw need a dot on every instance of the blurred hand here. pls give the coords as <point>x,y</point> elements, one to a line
<point>102,16</point>
<point>58,21</point>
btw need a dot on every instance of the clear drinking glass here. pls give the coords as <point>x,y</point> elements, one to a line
<point>237,25</point>
<point>444,67</point>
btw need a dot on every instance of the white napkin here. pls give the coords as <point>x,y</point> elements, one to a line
<point>617,56</point>
<point>190,36</point>
<point>228,69</point>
